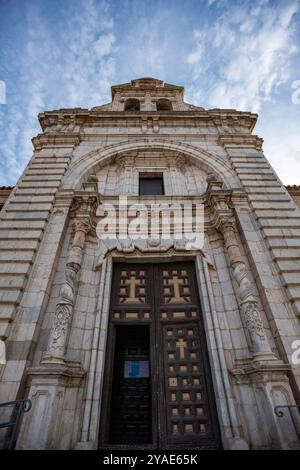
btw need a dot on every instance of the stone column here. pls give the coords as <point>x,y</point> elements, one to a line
<point>223,219</point>
<point>82,223</point>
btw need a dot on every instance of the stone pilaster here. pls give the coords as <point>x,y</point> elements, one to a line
<point>218,201</point>
<point>264,380</point>
<point>126,164</point>
<point>177,165</point>
<point>84,208</point>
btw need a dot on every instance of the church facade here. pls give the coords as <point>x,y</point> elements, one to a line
<point>146,341</point>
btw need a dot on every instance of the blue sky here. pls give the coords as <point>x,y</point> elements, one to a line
<point>226,53</point>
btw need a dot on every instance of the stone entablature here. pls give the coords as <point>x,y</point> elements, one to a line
<point>76,120</point>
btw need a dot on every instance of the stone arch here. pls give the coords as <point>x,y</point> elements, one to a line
<point>83,166</point>
<point>163,104</point>
<point>132,104</point>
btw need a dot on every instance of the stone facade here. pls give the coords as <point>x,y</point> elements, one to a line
<point>55,280</point>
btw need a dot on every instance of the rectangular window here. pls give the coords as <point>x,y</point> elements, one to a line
<point>151,185</point>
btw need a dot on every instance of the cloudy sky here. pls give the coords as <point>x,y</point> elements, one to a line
<point>241,54</point>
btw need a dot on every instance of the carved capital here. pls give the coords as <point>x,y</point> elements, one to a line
<point>222,216</point>
<point>180,162</point>
<point>83,212</point>
<point>125,162</point>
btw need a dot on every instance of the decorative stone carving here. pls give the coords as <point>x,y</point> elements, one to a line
<point>218,200</point>
<point>180,162</point>
<point>130,245</point>
<point>125,161</point>
<point>84,208</point>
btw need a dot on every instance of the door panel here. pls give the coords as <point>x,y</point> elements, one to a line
<point>130,416</point>
<point>162,300</point>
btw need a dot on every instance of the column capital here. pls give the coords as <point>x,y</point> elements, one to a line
<point>83,211</point>
<point>218,201</point>
<point>125,161</point>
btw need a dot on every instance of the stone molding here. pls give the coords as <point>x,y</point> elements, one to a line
<point>101,156</point>
<point>240,140</point>
<point>56,139</point>
<point>142,246</point>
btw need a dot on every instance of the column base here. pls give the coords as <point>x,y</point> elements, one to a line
<point>47,359</point>
<point>56,394</point>
<point>263,383</point>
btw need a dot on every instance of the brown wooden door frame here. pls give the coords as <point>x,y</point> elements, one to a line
<point>157,361</point>
<point>198,323</point>
<point>108,374</point>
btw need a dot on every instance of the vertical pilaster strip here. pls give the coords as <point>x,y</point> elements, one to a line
<point>277,216</point>
<point>59,334</point>
<point>223,219</point>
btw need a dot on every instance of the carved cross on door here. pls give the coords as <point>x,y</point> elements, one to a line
<point>181,344</point>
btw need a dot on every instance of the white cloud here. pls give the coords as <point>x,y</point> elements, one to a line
<point>74,69</point>
<point>247,57</point>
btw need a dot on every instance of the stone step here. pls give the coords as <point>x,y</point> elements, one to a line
<point>38,185</point>
<point>259,177</point>
<point>24,215</point>
<point>18,235</point>
<point>290,278</point>
<point>274,223</point>
<point>289,266</point>
<point>37,199</point>
<point>281,242</point>
<point>23,224</point>
<point>277,214</point>
<point>281,232</point>
<point>16,206</point>
<point>286,253</point>
<point>14,268</point>
<point>36,192</point>
<point>16,256</point>
<point>19,244</point>
<point>275,205</point>
<point>10,296</point>
<point>41,177</point>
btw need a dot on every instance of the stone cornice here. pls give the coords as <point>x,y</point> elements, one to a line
<point>146,84</point>
<point>240,140</point>
<point>56,139</point>
<point>77,118</point>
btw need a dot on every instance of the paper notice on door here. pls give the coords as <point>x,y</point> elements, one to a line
<point>136,369</point>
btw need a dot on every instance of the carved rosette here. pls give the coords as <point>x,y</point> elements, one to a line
<point>218,201</point>
<point>83,210</point>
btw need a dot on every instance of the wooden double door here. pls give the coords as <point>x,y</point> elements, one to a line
<point>157,387</point>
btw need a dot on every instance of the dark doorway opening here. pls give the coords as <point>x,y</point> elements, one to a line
<point>130,408</point>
